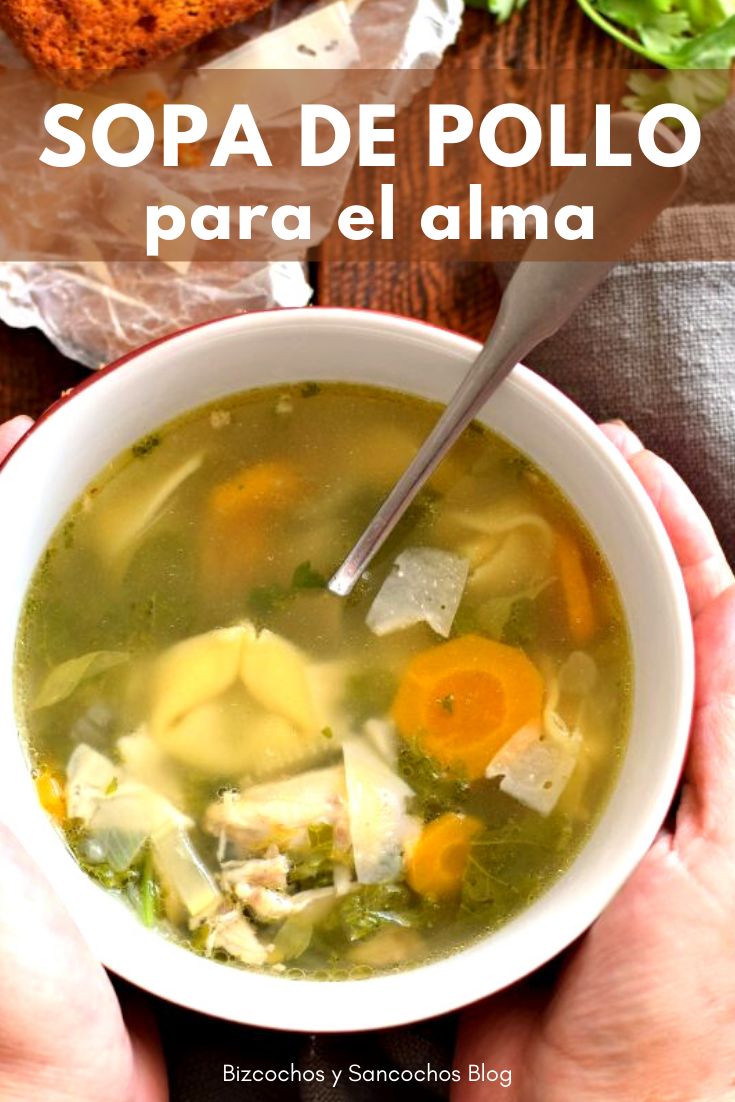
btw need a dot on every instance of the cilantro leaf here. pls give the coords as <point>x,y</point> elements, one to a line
<point>304,577</point>
<point>265,600</point>
<point>677,34</point>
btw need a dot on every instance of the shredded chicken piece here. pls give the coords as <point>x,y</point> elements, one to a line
<point>343,882</point>
<point>264,872</point>
<point>261,885</point>
<point>264,903</point>
<point>232,932</point>
<point>281,812</point>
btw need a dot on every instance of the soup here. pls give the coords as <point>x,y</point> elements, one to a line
<point>292,781</point>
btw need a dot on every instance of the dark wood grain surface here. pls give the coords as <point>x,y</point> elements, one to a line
<point>462,296</point>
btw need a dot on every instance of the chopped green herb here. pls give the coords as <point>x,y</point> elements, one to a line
<point>364,911</point>
<point>509,861</point>
<point>313,866</point>
<point>310,390</point>
<point>112,787</point>
<point>149,892</point>
<point>265,600</point>
<point>304,577</point>
<point>521,627</point>
<point>327,732</point>
<point>200,937</point>
<point>368,693</point>
<point>447,703</point>
<point>436,790</point>
<point>146,445</point>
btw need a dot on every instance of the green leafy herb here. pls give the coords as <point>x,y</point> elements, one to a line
<point>149,893</point>
<point>199,938</point>
<point>264,600</point>
<point>64,679</point>
<point>512,619</point>
<point>510,862</point>
<point>78,840</point>
<point>436,790</point>
<point>369,908</point>
<point>677,34</point>
<point>305,577</point>
<point>138,883</point>
<point>368,693</point>
<point>313,866</point>
<point>521,626</point>
<point>146,445</point>
<point>447,703</point>
<point>327,732</point>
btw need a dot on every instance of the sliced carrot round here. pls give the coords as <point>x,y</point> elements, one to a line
<point>437,862</point>
<point>51,796</point>
<point>271,484</point>
<point>576,588</point>
<point>235,531</point>
<point>462,700</point>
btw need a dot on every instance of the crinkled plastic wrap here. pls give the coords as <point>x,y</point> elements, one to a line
<point>96,311</point>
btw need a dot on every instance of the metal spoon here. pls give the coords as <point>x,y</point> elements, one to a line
<point>551,281</point>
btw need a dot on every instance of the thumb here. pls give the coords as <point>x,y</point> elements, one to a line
<point>702,560</point>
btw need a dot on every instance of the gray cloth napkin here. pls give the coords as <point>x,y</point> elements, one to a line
<point>655,346</point>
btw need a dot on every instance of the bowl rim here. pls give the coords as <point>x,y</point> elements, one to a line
<point>343,1006</point>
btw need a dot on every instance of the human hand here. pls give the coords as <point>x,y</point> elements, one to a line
<point>642,1009</point>
<point>63,1034</point>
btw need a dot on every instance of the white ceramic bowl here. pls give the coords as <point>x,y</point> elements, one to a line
<point>70,444</point>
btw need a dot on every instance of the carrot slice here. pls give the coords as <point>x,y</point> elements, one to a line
<point>50,792</point>
<point>236,526</point>
<point>271,484</point>
<point>437,862</point>
<point>576,588</point>
<point>462,700</point>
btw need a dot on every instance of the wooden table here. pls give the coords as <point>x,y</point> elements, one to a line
<point>547,34</point>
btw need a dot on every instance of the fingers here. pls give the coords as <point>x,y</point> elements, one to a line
<point>707,799</point>
<point>702,560</point>
<point>43,957</point>
<point>497,1032</point>
<point>624,439</point>
<point>11,432</point>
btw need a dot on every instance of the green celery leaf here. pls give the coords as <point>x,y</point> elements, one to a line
<point>304,577</point>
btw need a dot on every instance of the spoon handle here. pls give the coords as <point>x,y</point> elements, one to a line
<point>553,278</point>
